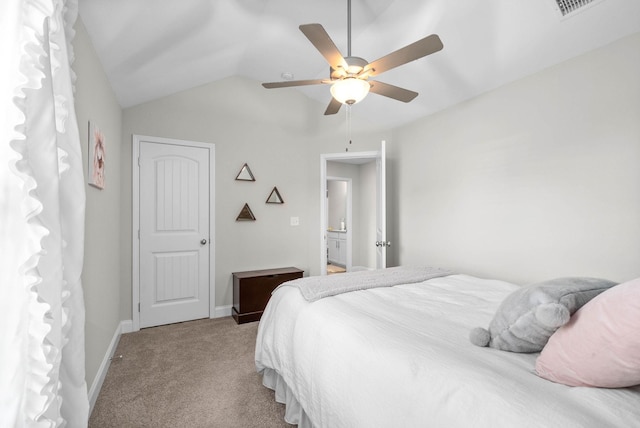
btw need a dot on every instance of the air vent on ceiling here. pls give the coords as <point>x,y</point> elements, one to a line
<point>568,6</point>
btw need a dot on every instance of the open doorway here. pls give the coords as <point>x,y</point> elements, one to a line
<point>364,228</point>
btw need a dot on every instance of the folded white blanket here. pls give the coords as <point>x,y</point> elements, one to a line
<point>317,287</point>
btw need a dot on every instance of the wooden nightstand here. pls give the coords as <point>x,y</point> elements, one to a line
<point>252,290</point>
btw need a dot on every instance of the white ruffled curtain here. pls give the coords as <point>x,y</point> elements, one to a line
<point>42,205</point>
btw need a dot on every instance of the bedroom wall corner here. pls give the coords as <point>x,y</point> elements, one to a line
<point>537,179</point>
<point>96,102</point>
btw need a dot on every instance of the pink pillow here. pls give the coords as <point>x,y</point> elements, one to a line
<point>600,345</point>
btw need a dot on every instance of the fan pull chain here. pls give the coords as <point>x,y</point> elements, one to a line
<point>348,112</point>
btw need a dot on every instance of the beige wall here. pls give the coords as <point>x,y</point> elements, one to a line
<point>537,179</point>
<point>281,135</point>
<point>101,280</point>
<point>337,203</point>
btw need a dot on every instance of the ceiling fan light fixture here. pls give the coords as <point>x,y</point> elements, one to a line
<point>350,90</point>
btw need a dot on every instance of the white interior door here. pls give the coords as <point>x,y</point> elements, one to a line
<point>381,210</point>
<point>174,232</point>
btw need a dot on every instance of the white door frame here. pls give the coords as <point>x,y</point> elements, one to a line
<point>324,158</point>
<point>135,221</point>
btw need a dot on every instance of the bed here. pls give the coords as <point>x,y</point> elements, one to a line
<point>400,356</point>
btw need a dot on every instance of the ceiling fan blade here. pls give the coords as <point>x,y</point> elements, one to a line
<point>419,49</point>
<point>321,40</point>
<point>392,91</point>
<point>333,107</point>
<point>289,83</point>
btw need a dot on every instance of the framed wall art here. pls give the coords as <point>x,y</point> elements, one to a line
<point>245,174</point>
<point>274,197</point>
<point>96,157</point>
<point>246,214</point>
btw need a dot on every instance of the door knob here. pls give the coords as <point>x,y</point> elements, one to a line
<point>203,242</point>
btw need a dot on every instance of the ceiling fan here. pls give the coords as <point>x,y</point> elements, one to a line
<point>349,76</point>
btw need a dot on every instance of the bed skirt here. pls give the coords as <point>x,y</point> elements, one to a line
<point>294,413</point>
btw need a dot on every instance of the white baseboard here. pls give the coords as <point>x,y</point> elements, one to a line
<point>123,327</point>
<point>222,311</point>
<point>126,326</point>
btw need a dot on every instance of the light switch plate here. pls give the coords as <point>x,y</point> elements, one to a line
<point>295,221</point>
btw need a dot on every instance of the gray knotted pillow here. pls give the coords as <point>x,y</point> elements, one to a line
<point>527,317</point>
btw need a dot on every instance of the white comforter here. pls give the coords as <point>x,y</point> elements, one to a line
<point>400,357</point>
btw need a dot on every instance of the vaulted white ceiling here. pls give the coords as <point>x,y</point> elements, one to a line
<point>153,48</point>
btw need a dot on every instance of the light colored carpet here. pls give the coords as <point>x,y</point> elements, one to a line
<point>335,269</point>
<point>193,374</point>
